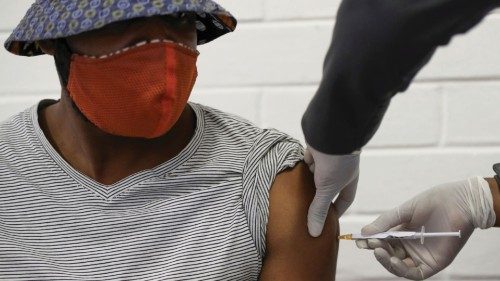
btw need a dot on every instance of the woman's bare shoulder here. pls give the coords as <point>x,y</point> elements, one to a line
<point>291,253</point>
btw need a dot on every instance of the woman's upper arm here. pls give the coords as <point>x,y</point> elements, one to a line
<point>291,253</point>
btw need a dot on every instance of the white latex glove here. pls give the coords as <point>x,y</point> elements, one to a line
<point>463,205</point>
<point>333,175</point>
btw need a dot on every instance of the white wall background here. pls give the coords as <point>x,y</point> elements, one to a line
<point>445,128</point>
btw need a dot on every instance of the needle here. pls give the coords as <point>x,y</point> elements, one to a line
<point>400,235</point>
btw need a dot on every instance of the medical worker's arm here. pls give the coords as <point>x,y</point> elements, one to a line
<point>291,254</point>
<point>378,47</point>
<point>464,205</point>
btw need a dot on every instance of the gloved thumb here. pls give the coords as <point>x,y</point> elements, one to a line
<point>318,211</point>
<point>388,220</point>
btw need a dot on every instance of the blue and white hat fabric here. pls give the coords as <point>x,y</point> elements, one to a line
<point>51,19</point>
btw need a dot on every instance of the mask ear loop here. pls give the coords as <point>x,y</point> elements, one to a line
<point>62,58</point>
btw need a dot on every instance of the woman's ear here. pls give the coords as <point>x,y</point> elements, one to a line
<point>47,46</point>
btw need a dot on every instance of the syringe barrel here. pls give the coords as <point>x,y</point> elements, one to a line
<point>440,234</point>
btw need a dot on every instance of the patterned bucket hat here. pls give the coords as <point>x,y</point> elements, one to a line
<point>51,19</point>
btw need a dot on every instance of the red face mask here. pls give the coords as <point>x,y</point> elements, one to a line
<point>138,92</point>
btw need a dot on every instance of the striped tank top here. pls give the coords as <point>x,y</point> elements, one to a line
<point>202,215</point>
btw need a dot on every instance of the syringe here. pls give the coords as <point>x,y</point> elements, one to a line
<point>400,235</point>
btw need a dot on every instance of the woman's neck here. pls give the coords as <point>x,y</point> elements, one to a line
<point>107,158</point>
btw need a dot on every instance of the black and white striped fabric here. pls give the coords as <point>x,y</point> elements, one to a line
<point>200,216</point>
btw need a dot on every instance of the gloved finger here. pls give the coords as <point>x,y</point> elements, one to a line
<point>393,250</point>
<point>399,267</point>
<point>421,272</point>
<point>318,210</point>
<point>383,258</point>
<point>346,197</point>
<point>312,167</point>
<point>390,219</point>
<point>409,262</point>
<point>407,269</point>
<point>399,250</point>
<point>397,247</point>
<point>362,244</point>
<point>308,158</point>
<point>377,243</point>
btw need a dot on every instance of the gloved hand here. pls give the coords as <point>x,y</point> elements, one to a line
<point>333,175</point>
<point>463,205</point>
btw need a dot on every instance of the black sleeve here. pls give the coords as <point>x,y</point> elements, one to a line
<point>378,47</point>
